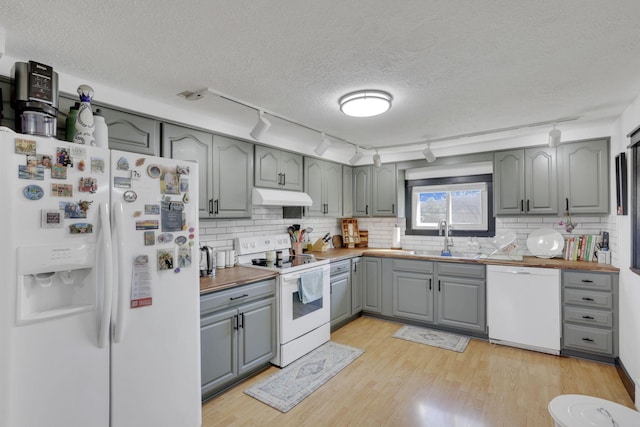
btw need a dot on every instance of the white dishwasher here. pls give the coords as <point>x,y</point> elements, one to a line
<point>523,307</point>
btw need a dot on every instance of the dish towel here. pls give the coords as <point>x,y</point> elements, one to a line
<point>310,286</point>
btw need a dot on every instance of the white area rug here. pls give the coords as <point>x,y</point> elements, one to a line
<point>285,389</point>
<point>433,338</point>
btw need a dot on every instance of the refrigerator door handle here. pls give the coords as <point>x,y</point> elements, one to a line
<point>107,297</point>
<point>118,328</point>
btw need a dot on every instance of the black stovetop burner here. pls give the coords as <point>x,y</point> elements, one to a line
<point>287,262</point>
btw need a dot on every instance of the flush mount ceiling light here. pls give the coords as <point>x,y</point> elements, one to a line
<point>428,154</point>
<point>356,157</point>
<point>324,144</point>
<point>377,162</point>
<point>260,128</point>
<point>365,103</point>
<point>554,136</point>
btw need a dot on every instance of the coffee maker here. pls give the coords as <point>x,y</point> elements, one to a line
<point>207,261</point>
<point>35,98</point>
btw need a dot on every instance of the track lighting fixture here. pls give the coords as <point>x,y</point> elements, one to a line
<point>428,154</point>
<point>324,144</point>
<point>554,136</point>
<point>260,128</point>
<point>377,162</point>
<point>356,157</point>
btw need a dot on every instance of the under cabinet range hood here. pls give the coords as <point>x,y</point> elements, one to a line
<point>269,197</point>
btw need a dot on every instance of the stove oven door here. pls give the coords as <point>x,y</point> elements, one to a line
<point>296,318</point>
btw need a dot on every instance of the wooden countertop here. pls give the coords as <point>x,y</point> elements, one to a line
<point>236,276</point>
<point>233,276</point>
<point>528,261</point>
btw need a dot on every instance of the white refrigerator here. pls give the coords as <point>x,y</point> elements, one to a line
<point>99,297</point>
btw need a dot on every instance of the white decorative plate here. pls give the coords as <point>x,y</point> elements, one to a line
<point>545,243</point>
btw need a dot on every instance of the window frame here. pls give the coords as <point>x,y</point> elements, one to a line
<point>467,179</point>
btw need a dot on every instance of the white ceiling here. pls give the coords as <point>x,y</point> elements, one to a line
<point>453,67</point>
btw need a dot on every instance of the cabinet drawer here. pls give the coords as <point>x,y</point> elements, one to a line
<point>411,265</point>
<point>340,267</point>
<point>466,270</point>
<point>586,280</point>
<point>588,316</point>
<point>589,339</point>
<point>235,296</point>
<point>588,298</point>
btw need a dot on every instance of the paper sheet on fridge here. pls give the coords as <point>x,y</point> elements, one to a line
<point>141,282</point>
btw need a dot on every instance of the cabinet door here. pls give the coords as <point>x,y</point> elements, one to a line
<point>188,144</point>
<point>218,344</point>
<point>541,181</point>
<point>232,177</point>
<point>461,303</point>
<point>347,191</point>
<point>356,285</point>
<point>267,172</point>
<point>333,189</point>
<point>314,186</point>
<point>361,190</point>
<point>291,168</point>
<point>384,190</point>
<point>130,132</point>
<point>585,176</point>
<point>340,297</point>
<point>508,173</point>
<point>257,338</point>
<point>413,295</point>
<point>372,284</point>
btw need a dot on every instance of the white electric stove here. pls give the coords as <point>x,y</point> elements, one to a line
<point>300,327</point>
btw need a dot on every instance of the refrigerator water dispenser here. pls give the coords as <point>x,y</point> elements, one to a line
<point>55,281</point>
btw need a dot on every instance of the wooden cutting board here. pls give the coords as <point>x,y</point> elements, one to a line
<point>337,241</point>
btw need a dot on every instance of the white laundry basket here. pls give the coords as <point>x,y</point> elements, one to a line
<point>575,410</point>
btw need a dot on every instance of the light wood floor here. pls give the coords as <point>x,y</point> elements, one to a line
<point>400,383</point>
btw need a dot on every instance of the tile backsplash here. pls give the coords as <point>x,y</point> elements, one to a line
<point>268,220</point>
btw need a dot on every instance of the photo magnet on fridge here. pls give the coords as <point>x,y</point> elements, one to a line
<point>63,157</point>
<point>97,165</point>
<point>165,259</point>
<point>52,218</point>
<point>169,182</point>
<point>184,256</point>
<point>149,238</point>
<point>25,146</point>
<point>44,160</point>
<point>58,172</point>
<point>31,172</point>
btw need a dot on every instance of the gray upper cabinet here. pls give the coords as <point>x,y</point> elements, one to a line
<point>131,132</point>
<point>375,191</point>
<point>526,181</point>
<point>584,177</point>
<point>232,177</point>
<point>225,165</point>
<point>278,169</point>
<point>323,183</point>
<point>347,191</point>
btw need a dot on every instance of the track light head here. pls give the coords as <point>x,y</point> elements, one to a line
<point>428,154</point>
<point>356,157</point>
<point>260,128</point>
<point>322,147</point>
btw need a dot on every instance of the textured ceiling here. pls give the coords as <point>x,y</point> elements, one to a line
<point>453,67</point>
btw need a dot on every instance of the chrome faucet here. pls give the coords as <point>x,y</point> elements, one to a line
<point>444,227</point>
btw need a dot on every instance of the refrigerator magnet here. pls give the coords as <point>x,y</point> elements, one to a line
<point>165,238</point>
<point>182,170</point>
<point>25,146</point>
<point>44,160</point>
<point>88,185</point>
<point>97,165</point>
<point>78,152</point>
<point>180,240</point>
<point>152,209</point>
<point>184,257</point>
<point>31,172</point>
<point>75,209</point>
<point>165,259</point>
<point>58,171</point>
<point>147,224</point>
<point>33,192</point>
<point>61,190</point>
<point>168,182</point>
<point>123,164</point>
<point>129,196</point>
<point>63,157</point>
<point>135,174</point>
<point>81,165</point>
<point>140,161</point>
<point>52,218</point>
<point>81,228</point>
<point>154,171</point>
<point>121,182</point>
<point>186,198</point>
<point>149,238</point>
<point>184,184</point>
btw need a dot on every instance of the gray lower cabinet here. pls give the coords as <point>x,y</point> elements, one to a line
<point>584,176</point>
<point>461,299</point>
<point>372,289</point>
<point>323,183</point>
<point>225,166</point>
<point>590,314</point>
<point>412,283</point>
<point>278,169</point>
<point>237,334</point>
<point>340,292</point>
<point>356,285</point>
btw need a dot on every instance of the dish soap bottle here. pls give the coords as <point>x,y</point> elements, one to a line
<point>85,124</point>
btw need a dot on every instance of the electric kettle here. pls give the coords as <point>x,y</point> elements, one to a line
<point>207,261</point>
